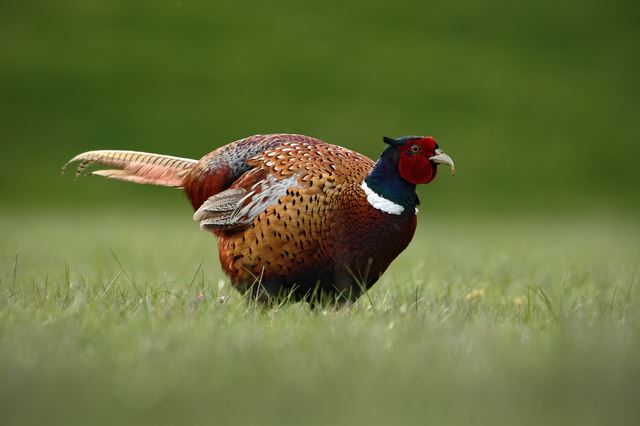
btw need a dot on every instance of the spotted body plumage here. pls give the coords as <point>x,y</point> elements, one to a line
<point>292,216</point>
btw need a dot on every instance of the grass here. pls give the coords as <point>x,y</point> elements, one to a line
<point>114,317</point>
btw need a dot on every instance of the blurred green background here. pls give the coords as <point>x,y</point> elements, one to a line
<point>537,102</point>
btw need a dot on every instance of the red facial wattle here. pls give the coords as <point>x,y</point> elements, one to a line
<point>414,165</point>
<point>416,169</point>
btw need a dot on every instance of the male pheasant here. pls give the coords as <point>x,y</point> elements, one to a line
<point>295,216</point>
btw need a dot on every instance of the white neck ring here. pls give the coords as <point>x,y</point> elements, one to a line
<point>381,203</point>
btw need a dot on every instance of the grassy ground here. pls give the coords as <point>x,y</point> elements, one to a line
<point>114,317</point>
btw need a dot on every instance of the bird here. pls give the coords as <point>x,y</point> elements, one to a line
<point>296,218</point>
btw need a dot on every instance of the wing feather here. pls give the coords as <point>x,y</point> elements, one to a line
<point>236,208</point>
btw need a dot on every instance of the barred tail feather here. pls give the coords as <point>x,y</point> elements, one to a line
<point>137,167</point>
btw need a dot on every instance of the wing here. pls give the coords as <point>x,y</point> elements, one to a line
<point>310,167</point>
<point>236,207</point>
<point>221,169</point>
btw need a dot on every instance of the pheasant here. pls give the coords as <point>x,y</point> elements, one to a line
<point>295,217</point>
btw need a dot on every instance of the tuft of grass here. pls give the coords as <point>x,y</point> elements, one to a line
<point>107,320</point>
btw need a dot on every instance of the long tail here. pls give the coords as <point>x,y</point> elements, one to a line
<point>138,167</point>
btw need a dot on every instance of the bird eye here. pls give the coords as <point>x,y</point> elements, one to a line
<point>415,149</point>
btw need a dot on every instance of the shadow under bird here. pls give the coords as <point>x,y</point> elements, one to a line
<point>295,217</point>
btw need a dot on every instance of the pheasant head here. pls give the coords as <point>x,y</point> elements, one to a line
<point>419,157</point>
<point>405,163</point>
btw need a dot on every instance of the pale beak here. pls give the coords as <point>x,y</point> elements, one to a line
<point>442,158</point>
